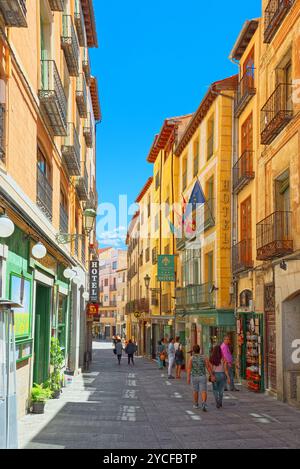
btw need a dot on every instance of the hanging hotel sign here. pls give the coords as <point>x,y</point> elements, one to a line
<point>94,281</point>
<point>166,268</point>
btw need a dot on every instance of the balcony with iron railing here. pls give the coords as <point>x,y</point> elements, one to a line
<point>276,113</point>
<point>71,151</point>
<point>70,45</point>
<point>82,184</point>
<point>14,13</point>
<point>88,131</point>
<point>81,95</point>
<point>79,23</point>
<point>243,171</point>
<point>2,132</point>
<point>245,91</point>
<point>44,194</point>
<point>86,65</point>
<point>195,297</point>
<point>242,258</point>
<point>57,5</point>
<point>63,220</point>
<point>275,13</point>
<point>53,99</point>
<point>274,236</point>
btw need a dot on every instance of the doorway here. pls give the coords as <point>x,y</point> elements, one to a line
<point>42,334</point>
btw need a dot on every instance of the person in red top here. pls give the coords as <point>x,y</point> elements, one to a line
<point>228,357</point>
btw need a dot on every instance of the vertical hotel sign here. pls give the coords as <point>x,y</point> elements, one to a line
<point>94,281</point>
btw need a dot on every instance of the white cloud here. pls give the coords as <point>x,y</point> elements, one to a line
<point>115,238</point>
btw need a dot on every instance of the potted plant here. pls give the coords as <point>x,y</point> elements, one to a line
<point>39,397</point>
<point>57,361</point>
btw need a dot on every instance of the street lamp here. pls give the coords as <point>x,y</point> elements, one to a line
<point>89,217</point>
<point>39,251</point>
<point>147,280</point>
<point>7,227</point>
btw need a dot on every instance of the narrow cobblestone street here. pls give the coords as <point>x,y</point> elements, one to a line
<point>129,408</point>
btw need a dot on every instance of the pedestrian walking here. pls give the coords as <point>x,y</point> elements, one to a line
<point>218,374</point>
<point>161,354</point>
<point>177,343</point>
<point>171,358</point>
<point>130,349</point>
<point>227,354</point>
<point>179,360</point>
<point>198,367</point>
<point>119,350</point>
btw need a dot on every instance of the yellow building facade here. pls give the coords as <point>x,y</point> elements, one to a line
<point>204,300</point>
<point>266,205</point>
<point>49,107</point>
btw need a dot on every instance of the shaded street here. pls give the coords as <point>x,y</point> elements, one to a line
<point>116,407</point>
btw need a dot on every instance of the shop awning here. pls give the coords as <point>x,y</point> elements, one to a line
<point>214,317</point>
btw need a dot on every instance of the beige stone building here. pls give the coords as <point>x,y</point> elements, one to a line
<point>110,259</point>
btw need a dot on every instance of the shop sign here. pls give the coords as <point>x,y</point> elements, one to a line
<point>166,268</point>
<point>207,321</point>
<point>92,311</point>
<point>94,282</point>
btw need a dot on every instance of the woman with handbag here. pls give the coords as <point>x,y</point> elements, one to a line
<point>219,374</point>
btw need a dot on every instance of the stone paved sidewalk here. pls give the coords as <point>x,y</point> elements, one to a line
<point>129,408</point>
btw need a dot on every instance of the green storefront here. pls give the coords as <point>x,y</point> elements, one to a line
<point>208,327</point>
<point>40,287</point>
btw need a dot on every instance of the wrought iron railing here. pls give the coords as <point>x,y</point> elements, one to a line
<point>274,236</point>
<point>81,95</point>
<point>63,220</point>
<point>276,113</point>
<point>44,194</point>
<point>243,171</point>
<point>71,151</point>
<point>2,132</point>
<point>82,184</point>
<point>88,131</point>
<point>195,296</point>
<point>86,65</point>
<point>246,89</point>
<point>70,45</point>
<point>79,23</point>
<point>275,13</point>
<point>14,13</point>
<point>53,98</point>
<point>242,258</point>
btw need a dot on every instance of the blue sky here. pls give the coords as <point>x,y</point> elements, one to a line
<point>156,59</point>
